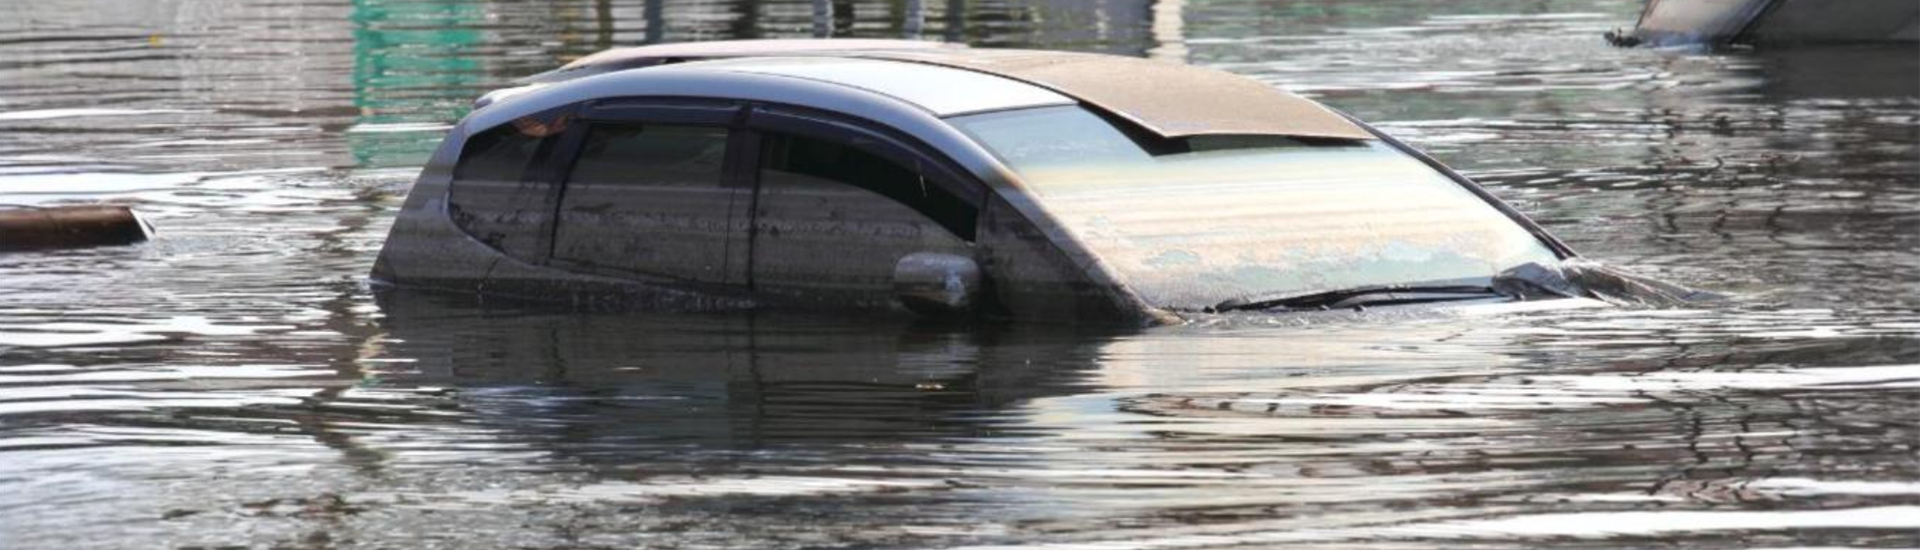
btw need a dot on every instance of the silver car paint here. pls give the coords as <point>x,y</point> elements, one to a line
<point>713,80</point>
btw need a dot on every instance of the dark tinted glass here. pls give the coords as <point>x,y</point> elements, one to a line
<point>500,154</point>
<point>490,198</point>
<point>831,222</point>
<point>839,163</point>
<point>651,199</point>
<point>654,154</point>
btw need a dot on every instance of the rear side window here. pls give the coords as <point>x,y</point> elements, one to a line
<point>500,154</point>
<point>493,199</point>
<point>652,199</point>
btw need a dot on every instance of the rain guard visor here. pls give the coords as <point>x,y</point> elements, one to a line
<point>1211,218</point>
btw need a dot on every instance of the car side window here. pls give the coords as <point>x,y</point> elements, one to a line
<point>502,154</point>
<point>831,220</point>
<point>651,155</point>
<point>491,197</point>
<point>652,199</point>
<point>785,157</point>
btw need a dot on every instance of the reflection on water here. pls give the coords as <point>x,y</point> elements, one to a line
<point>235,383</point>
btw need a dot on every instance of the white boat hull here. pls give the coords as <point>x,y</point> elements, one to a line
<point>1721,22</point>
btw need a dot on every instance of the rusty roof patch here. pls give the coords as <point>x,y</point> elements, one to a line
<point>1169,99</point>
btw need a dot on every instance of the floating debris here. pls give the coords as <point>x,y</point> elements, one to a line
<point>52,227</point>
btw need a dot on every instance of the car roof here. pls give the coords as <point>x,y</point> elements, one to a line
<point>942,91</point>
<point>1171,100</point>
<point>636,57</point>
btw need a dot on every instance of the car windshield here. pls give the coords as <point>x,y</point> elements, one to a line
<point>1207,219</point>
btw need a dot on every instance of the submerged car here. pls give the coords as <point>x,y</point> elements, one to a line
<point>896,176</point>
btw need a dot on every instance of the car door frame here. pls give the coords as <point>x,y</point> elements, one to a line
<point>558,165</point>
<point>867,136</point>
<point>746,122</point>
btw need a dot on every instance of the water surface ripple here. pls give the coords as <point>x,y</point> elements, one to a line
<point>235,382</point>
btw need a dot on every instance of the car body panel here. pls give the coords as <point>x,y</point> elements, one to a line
<point>1059,280</point>
<point>1038,268</point>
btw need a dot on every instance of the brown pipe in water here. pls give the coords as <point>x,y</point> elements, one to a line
<point>32,228</point>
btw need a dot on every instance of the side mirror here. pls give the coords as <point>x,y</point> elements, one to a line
<point>937,285</point>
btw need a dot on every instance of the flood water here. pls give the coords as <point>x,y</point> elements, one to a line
<point>236,383</point>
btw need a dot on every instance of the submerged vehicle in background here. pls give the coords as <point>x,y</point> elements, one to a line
<point>947,181</point>
<point>1774,22</point>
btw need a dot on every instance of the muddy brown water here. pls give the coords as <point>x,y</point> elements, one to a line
<point>236,383</point>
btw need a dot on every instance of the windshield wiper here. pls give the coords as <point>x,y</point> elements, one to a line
<point>1328,298</point>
